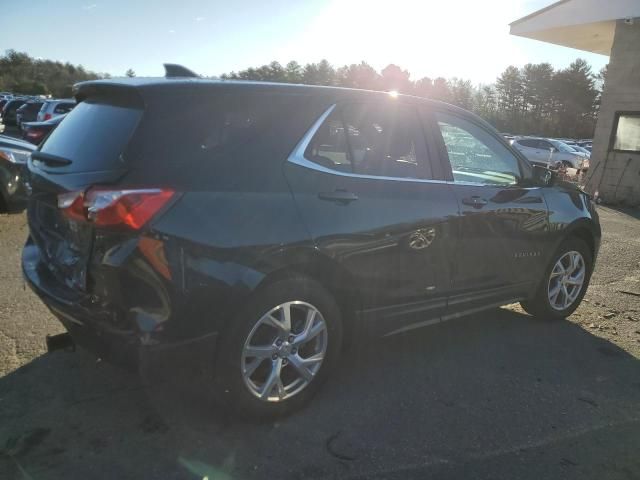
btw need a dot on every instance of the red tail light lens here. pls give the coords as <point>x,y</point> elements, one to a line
<point>115,208</point>
<point>47,116</point>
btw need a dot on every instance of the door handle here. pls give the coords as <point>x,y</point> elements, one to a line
<point>475,201</point>
<point>339,196</point>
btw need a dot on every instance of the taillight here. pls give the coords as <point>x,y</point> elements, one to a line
<point>47,116</point>
<point>115,208</point>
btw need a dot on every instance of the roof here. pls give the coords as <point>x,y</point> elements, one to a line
<point>582,24</point>
<point>142,88</point>
<point>165,85</point>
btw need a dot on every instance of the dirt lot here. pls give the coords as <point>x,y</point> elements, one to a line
<point>495,395</point>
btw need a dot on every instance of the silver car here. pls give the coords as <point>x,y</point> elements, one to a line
<point>53,108</point>
<point>549,152</point>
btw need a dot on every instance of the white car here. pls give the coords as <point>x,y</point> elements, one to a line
<point>53,108</point>
<point>549,152</point>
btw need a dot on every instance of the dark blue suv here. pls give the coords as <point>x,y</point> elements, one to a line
<point>247,229</point>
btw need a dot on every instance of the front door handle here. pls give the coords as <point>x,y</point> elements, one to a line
<point>475,201</point>
<point>339,196</point>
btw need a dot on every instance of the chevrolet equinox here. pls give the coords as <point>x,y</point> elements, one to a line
<point>245,229</point>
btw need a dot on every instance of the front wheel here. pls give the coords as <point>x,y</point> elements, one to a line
<point>565,282</point>
<point>279,350</point>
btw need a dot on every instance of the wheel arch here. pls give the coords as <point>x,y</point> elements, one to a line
<point>584,230</point>
<point>327,272</point>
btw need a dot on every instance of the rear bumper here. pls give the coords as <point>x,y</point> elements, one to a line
<point>129,349</point>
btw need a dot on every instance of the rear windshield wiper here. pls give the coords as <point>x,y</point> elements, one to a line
<point>51,160</point>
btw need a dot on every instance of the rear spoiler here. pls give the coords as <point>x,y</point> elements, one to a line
<point>125,91</point>
<point>108,92</point>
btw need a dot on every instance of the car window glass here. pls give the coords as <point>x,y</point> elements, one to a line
<point>475,155</point>
<point>64,107</point>
<point>384,141</point>
<point>329,145</point>
<point>528,142</point>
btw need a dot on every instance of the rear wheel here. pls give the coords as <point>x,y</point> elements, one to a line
<point>280,349</point>
<point>565,282</point>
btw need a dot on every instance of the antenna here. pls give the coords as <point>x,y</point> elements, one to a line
<point>172,70</point>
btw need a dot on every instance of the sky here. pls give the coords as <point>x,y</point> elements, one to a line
<point>467,39</point>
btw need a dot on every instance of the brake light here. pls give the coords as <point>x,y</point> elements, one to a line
<point>115,208</point>
<point>47,116</point>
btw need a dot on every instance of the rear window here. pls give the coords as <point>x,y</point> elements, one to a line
<point>64,107</point>
<point>33,107</point>
<point>93,136</point>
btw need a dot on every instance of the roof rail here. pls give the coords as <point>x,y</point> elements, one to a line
<point>174,70</point>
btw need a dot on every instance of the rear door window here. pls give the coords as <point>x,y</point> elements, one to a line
<point>93,136</point>
<point>372,140</point>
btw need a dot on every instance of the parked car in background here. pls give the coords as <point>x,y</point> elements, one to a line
<point>35,132</point>
<point>586,144</point>
<point>53,108</point>
<point>9,110</point>
<point>548,152</point>
<point>13,167</point>
<point>28,112</point>
<point>247,227</point>
<point>580,149</point>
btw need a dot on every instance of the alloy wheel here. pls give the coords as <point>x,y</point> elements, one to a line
<point>284,351</point>
<point>566,280</point>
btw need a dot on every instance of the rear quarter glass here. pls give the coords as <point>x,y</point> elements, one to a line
<point>208,139</point>
<point>93,136</point>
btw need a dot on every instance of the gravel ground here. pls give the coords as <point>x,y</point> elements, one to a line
<point>495,395</point>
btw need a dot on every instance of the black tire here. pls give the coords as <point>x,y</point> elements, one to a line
<point>539,305</point>
<point>229,386</point>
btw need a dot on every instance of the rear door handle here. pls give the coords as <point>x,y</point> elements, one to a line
<point>475,201</point>
<point>339,196</point>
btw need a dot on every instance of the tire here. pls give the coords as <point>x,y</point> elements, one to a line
<point>252,327</point>
<point>540,305</point>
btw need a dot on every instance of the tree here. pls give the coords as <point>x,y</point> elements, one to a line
<point>461,93</point>
<point>394,78</point>
<point>441,90</point>
<point>130,73</point>
<point>423,87</point>
<point>321,73</point>
<point>293,72</point>
<point>509,90</point>
<point>534,99</point>
<point>20,73</point>
<point>358,75</point>
<point>577,95</point>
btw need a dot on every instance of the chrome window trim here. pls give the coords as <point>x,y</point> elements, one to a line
<point>297,157</point>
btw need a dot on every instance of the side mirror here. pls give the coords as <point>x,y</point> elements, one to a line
<point>553,149</point>
<point>543,176</point>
